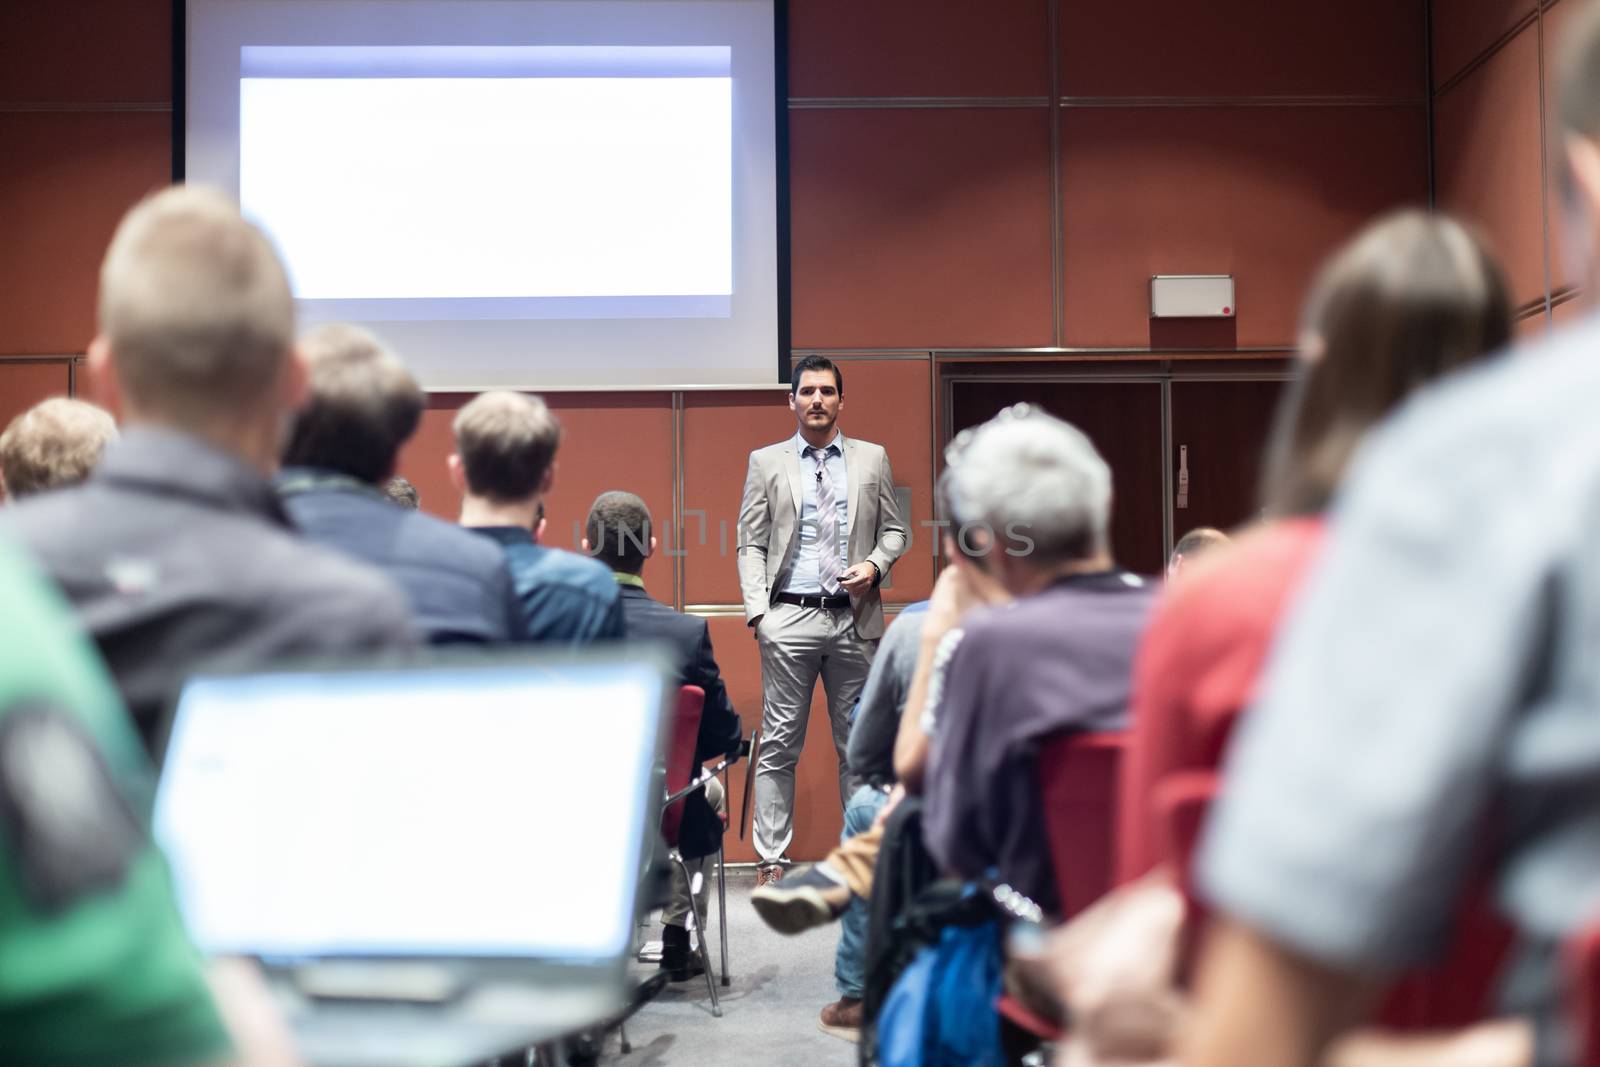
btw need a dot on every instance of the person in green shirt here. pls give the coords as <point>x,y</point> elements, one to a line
<point>95,965</point>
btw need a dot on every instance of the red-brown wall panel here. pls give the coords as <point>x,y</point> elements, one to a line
<point>68,180</point>
<point>1260,193</point>
<point>1531,327</point>
<point>1463,29</point>
<point>1488,159</point>
<point>86,51</point>
<point>920,228</point>
<point>818,815</point>
<point>1569,312</point>
<point>23,385</point>
<point>611,441</point>
<point>911,48</point>
<point>719,432</point>
<point>1243,48</point>
<point>1559,23</point>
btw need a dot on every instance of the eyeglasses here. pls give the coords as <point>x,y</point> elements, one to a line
<point>963,440</point>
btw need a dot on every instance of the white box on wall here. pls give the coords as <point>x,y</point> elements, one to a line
<point>1192,296</point>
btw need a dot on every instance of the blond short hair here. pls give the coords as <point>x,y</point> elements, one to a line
<point>52,444</point>
<point>196,307</point>
<point>506,442</point>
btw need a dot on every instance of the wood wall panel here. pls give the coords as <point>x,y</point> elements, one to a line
<point>1488,159</point>
<point>1531,327</point>
<point>1463,29</point>
<point>86,51</point>
<point>1569,312</point>
<point>69,178</point>
<point>819,816</point>
<point>1260,193</point>
<point>611,441</point>
<point>912,48</point>
<point>921,228</point>
<point>23,385</point>
<point>1560,22</point>
<point>1244,47</point>
<point>719,432</point>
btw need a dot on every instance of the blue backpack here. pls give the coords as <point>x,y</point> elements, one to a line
<point>941,1010</point>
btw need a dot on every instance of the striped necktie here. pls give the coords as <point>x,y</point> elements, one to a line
<point>827,527</point>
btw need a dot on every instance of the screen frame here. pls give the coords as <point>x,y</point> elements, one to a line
<point>780,147</point>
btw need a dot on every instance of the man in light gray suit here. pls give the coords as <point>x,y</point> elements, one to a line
<point>819,528</point>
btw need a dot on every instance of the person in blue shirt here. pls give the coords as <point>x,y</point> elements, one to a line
<point>504,464</point>
<point>362,407</point>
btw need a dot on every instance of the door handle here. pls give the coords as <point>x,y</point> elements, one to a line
<point>1183,476</point>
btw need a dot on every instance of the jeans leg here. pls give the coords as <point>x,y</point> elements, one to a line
<point>850,959</point>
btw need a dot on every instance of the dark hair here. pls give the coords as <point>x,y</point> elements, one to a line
<point>506,442</point>
<point>402,492</point>
<point>619,531</point>
<point>1410,298</point>
<point>816,363</point>
<point>363,406</point>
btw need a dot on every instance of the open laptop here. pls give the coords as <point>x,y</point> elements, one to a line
<point>436,863</point>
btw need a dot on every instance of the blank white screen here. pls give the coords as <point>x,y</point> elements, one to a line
<point>535,183</point>
<point>415,813</point>
<point>522,228</point>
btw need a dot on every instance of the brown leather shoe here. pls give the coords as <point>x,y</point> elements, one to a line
<point>768,874</point>
<point>842,1018</point>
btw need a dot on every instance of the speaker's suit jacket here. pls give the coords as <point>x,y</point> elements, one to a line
<point>769,525</point>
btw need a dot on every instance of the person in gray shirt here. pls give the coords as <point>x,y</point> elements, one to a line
<point>877,719</point>
<point>1430,710</point>
<point>176,553</point>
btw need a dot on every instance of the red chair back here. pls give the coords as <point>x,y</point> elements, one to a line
<point>1078,785</point>
<point>1582,959</point>
<point>1456,992</point>
<point>680,756</point>
<point>1459,989</point>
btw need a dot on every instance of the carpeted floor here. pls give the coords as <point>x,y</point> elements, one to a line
<point>779,984</point>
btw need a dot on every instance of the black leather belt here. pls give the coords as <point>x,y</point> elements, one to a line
<point>811,600</point>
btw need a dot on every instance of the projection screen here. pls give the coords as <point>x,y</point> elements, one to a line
<point>535,194</point>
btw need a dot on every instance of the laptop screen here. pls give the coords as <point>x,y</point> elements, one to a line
<point>461,811</point>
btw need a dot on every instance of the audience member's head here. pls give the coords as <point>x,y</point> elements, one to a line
<point>197,324</point>
<point>1191,546</point>
<point>1027,496</point>
<point>363,405</point>
<point>1412,297</point>
<point>1578,104</point>
<point>54,443</point>
<point>402,492</point>
<point>505,447</point>
<point>618,532</point>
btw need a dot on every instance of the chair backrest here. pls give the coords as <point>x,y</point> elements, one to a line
<point>1455,992</point>
<point>680,755</point>
<point>1078,787</point>
<point>1582,960</point>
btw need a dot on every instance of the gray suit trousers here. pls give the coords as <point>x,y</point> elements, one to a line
<point>797,645</point>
